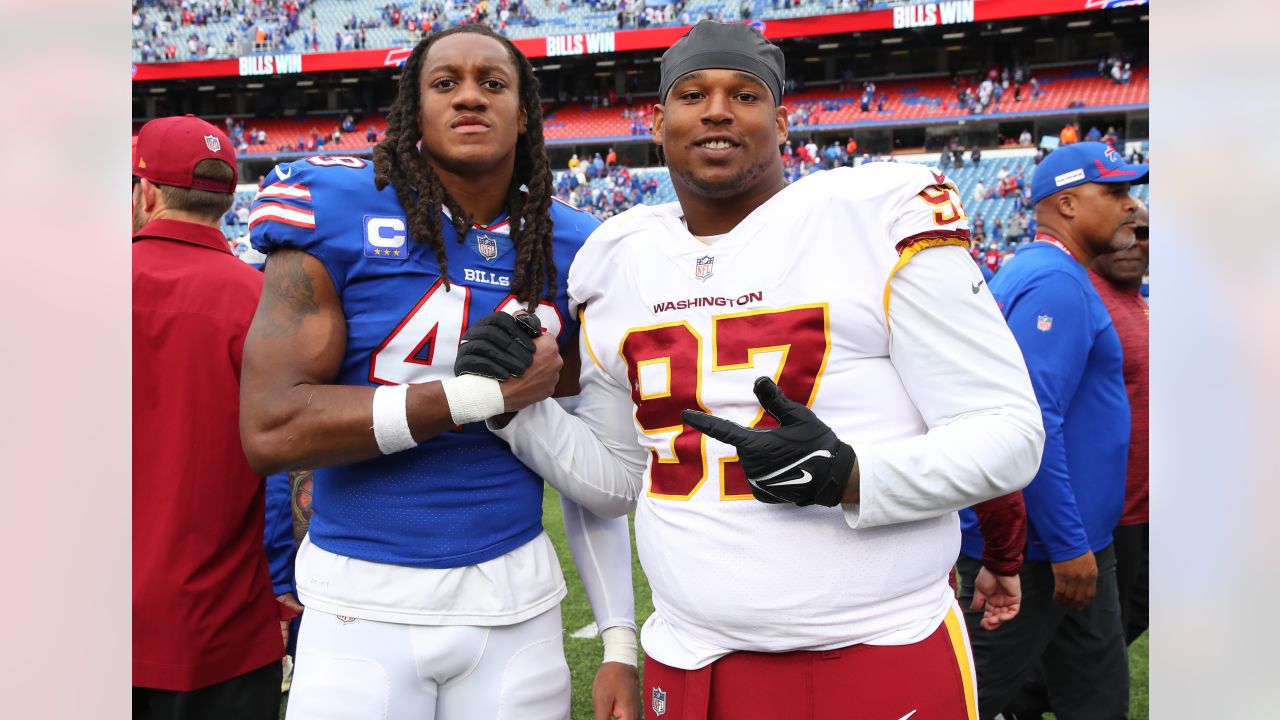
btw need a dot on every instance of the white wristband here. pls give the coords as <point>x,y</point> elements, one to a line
<point>391,419</point>
<point>619,645</point>
<point>473,398</point>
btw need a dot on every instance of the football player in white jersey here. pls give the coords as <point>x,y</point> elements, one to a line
<point>795,387</point>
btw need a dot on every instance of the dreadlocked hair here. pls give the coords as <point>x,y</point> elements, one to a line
<point>398,162</point>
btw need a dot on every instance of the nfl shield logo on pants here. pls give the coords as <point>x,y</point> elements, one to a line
<point>1044,323</point>
<point>488,247</point>
<point>703,269</point>
<point>659,701</point>
<point>212,143</point>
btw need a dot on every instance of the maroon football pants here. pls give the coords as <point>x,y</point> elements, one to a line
<point>930,680</point>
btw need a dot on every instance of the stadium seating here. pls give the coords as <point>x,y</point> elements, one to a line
<point>990,208</point>
<point>908,101</point>
<point>552,17</point>
<point>282,132</point>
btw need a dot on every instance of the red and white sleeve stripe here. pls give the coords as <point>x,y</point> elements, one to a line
<point>293,192</point>
<point>286,214</point>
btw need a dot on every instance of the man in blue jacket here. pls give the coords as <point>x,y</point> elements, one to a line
<point>1070,619</point>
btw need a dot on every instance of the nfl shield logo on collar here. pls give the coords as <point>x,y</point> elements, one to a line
<point>488,247</point>
<point>212,143</point>
<point>659,702</point>
<point>703,269</point>
<point>1044,323</point>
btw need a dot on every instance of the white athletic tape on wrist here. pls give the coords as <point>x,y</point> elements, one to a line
<point>619,645</point>
<point>391,419</point>
<point>473,398</point>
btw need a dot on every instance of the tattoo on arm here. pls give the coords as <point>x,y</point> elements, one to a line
<point>300,501</point>
<point>289,296</point>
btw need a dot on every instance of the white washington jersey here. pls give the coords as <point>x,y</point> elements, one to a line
<point>853,289</point>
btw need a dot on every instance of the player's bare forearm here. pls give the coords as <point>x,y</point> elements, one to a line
<point>852,495</point>
<point>291,416</point>
<point>300,502</point>
<point>311,426</point>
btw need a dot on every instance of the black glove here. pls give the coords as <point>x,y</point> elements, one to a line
<point>498,346</point>
<point>801,461</point>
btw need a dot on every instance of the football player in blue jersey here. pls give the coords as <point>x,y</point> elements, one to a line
<point>430,587</point>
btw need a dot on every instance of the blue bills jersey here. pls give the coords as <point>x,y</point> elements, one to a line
<point>458,499</point>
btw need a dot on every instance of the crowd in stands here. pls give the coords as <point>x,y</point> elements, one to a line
<point>603,187</point>
<point>645,13</point>
<point>977,96</point>
<point>1117,67</point>
<point>848,5</point>
<point>207,29</point>
<point>167,30</point>
<point>203,29</point>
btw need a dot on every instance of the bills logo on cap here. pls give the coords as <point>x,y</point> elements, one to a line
<point>488,247</point>
<point>212,142</point>
<point>659,703</point>
<point>1044,323</point>
<point>704,268</point>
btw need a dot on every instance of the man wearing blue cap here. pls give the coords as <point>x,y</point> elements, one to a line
<point>1070,618</point>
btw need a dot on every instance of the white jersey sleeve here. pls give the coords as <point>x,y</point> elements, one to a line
<point>958,363</point>
<point>601,550</point>
<point>591,455</point>
<point>966,376</point>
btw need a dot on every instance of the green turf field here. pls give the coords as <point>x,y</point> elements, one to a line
<point>584,654</point>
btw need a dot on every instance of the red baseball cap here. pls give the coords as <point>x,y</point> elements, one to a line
<point>167,150</point>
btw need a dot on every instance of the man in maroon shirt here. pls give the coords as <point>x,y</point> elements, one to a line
<point>206,633</point>
<point>1118,279</point>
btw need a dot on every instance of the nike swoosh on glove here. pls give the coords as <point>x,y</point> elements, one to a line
<point>801,461</point>
<point>498,346</point>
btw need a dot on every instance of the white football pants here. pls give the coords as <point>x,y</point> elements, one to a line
<point>368,670</point>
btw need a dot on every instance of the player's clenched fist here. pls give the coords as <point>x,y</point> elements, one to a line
<point>512,349</point>
<point>539,380</point>
<point>498,346</point>
<point>801,461</point>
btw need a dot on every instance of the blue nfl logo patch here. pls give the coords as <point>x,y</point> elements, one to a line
<point>488,247</point>
<point>212,142</point>
<point>704,267</point>
<point>659,701</point>
<point>1044,323</point>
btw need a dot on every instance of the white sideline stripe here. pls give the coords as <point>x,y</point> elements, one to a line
<point>283,212</point>
<point>586,632</point>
